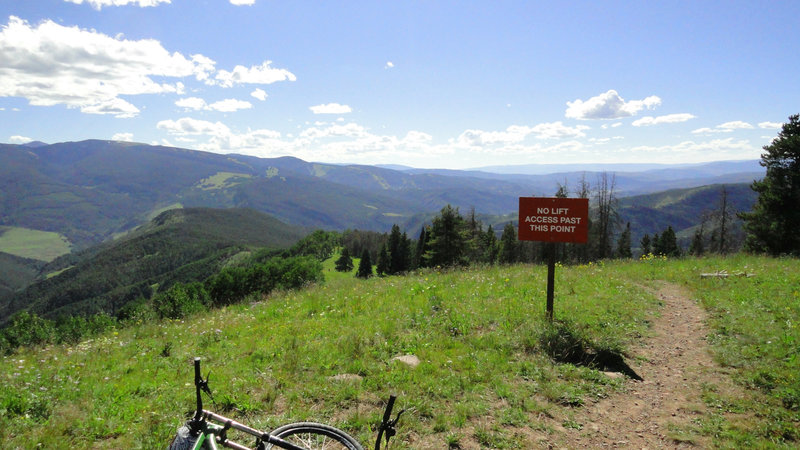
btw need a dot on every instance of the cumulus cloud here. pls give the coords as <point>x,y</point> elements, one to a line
<point>669,118</point>
<point>243,2</point>
<point>770,125</point>
<point>124,137</point>
<point>350,130</point>
<point>331,108</point>
<point>17,139</point>
<point>50,64</point>
<point>227,105</point>
<point>715,149</point>
<point>230,105</point>
<point>518,133</point>
<point>726,127</point>
<point>99,4</point>
<point>735,125</point>
<point>557,130</point>
<point>259,94</point>
<point>609,105</point>
<point>389,65</point>
<point>262,74</point>
<point>195,103</point>
<point>189,126</point>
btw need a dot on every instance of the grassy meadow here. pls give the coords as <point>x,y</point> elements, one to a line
<point>33,244</point>
<point>486,376</point>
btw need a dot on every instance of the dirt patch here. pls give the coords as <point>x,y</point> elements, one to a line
<point>674,365</point>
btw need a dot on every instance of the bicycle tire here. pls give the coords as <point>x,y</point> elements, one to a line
<point>315,436</point>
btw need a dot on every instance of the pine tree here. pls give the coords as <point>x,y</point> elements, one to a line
<point>490,246</point>
<point>345,262</point>
<point>447,239</point>
<point>668,243</point>
<point>421,248</point>
<point>646,245</point>
<point>624,243</point>
<point>509,245</point>
<point>364,266</point>
<point>382,266</point>
<point>772,226</point>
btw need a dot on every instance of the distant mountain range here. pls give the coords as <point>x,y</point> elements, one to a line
<point>118,204</point>
<point>92,190</point>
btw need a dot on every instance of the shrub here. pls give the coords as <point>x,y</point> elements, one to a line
<point>181,300</point>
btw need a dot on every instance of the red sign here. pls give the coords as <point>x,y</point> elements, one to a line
<point>554,219</point>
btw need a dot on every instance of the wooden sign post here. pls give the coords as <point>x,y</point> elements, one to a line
<point>551,220</point>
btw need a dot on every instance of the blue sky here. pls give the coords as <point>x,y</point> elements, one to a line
<point>420,83</point>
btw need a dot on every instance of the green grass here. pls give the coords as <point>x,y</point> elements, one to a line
<point>483,376</point>
<point>221,180</point>
<point>33,244</point>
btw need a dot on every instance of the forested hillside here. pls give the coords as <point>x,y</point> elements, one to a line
<point>181,245</point>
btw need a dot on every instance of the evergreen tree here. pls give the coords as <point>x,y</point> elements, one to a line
<point>509,245</point>
<point>403,259</point>
<point>364,266</point>
<point>772,226</point>
<point>646,245</point>
<point>490,246</point>
<point>382,267</point>
<point>345,262</point>
<point>421,248</point>
<point>624,243</point>
<point>447,239</point>
<point>392,250</point>
<point>668,243</point>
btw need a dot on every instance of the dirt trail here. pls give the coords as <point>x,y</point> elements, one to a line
<point>674,364</point>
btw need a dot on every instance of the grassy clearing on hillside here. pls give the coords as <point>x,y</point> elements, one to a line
<point>326,354</point>
<point>221,180</point>
<point>33,244</point>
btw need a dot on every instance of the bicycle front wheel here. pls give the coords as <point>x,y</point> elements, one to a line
<point>315,436</point>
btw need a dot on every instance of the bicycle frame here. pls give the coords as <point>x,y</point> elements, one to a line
<point>209,434</point>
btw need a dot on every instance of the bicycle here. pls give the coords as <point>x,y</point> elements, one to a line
<point>206,429</point>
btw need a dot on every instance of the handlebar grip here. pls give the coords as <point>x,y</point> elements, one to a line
<point>197,376</point>
<point>387,414</point>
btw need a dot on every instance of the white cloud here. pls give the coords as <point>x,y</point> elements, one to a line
<point>557,130</point>
<point>124,137</point>
<point>716,149</point>
<point>609,105</point>
<point>350,130</point>
<point>389,65</point>
<point>115,106</point>
<point>50,64</point>
<point>263,74</point>
<point>726,127</point>
<point>227,105</point>
<point>99,4</point>
<point>189,126</point>
<point>770,125</point>
<point>259,94</point>
<point>194,103</point>
<point>518,133</point>
<point>17,139</point>
<point>243,2</point>
<point>331,108</point>
<point>669,118</point>
<point>230,105</point>
<point>735,125</point>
